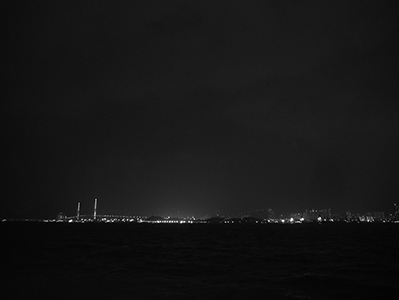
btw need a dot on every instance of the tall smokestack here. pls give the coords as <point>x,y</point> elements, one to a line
<point>78,212</point>
<point>95,208</point>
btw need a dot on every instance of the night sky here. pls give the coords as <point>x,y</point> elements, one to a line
<point>199,107</point>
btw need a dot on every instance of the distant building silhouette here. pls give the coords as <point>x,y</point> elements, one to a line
<point>315,214</point>
<point>260,213</point>
<point>60,216</point>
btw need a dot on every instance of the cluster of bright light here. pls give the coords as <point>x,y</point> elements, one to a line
<point>294,219</point>
<point>170,221</point>
<point>241,221</point>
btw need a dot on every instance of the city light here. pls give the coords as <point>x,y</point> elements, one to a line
<point>258,216</point>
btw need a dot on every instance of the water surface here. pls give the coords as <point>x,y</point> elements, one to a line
<point>200,261</point>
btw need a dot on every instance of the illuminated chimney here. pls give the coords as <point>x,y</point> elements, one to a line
<point>78,212</point>
<point>95,208</point>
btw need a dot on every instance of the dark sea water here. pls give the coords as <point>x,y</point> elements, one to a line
<point>199,261</point>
